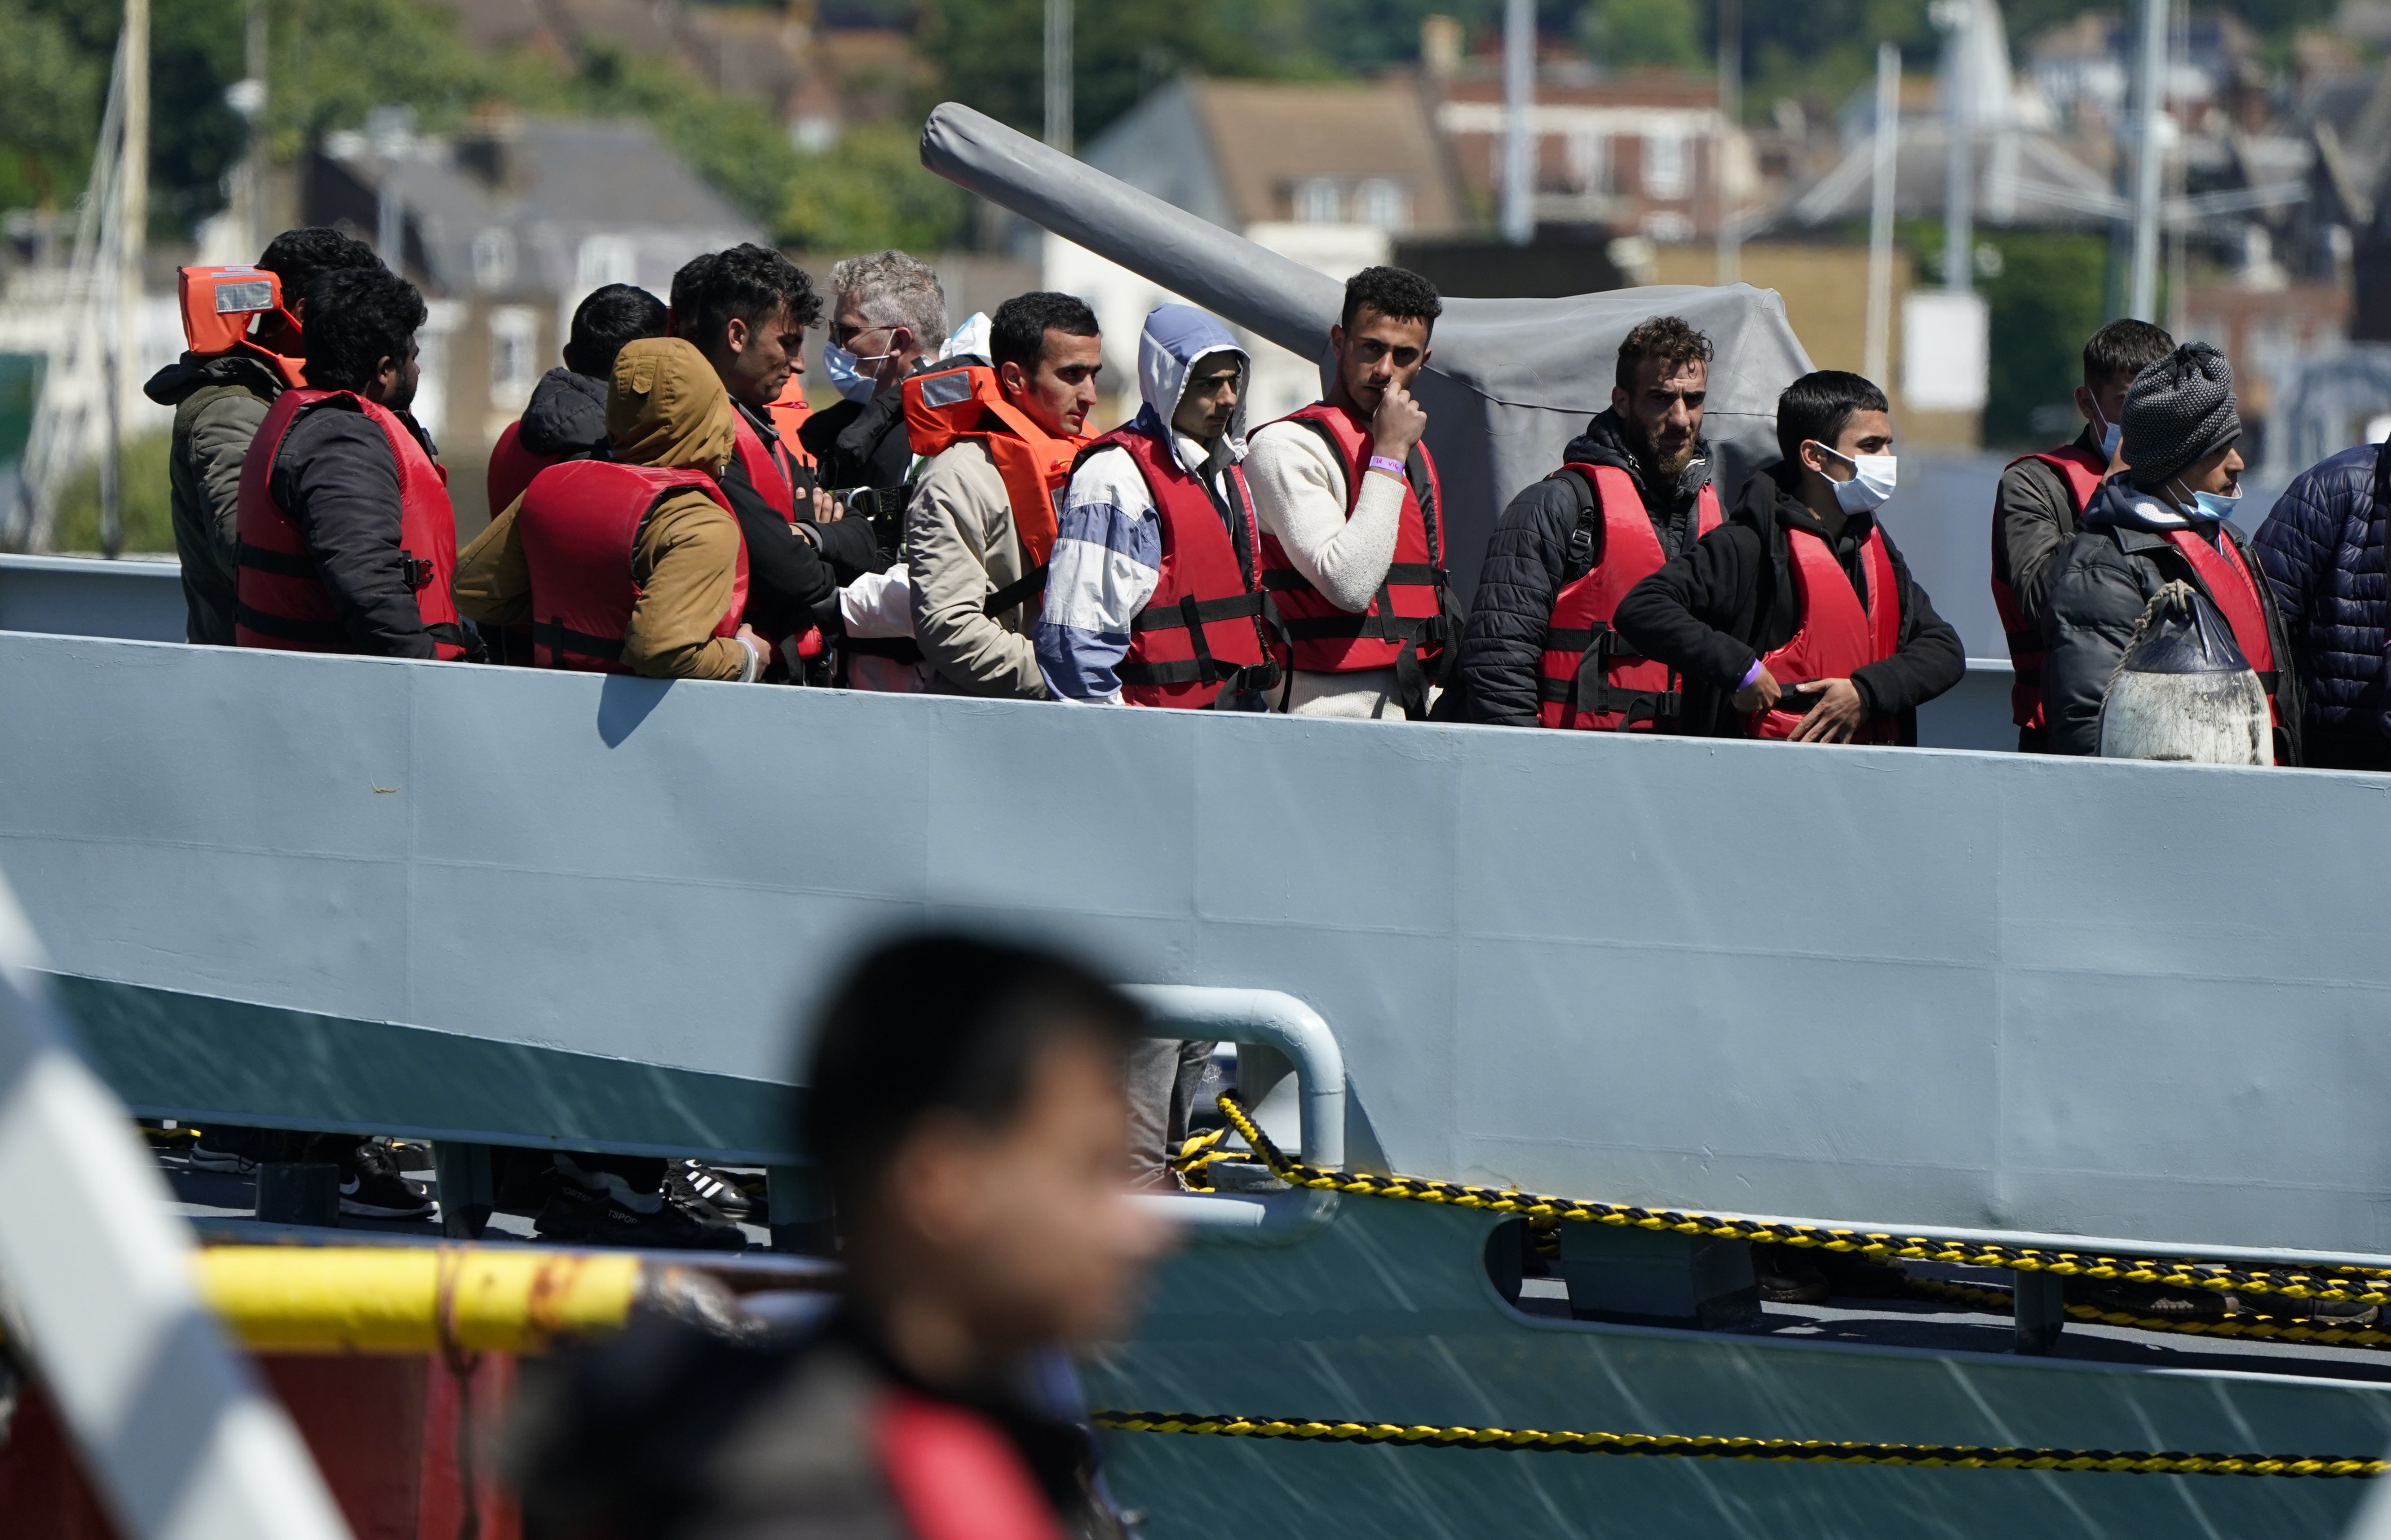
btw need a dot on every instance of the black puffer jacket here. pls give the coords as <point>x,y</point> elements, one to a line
<point>1526,564</point>
<point>2323,549</point>
<point>860,444</point>
<point>567,416</point>
<point>1716,608</point>
<point>2106,577</point>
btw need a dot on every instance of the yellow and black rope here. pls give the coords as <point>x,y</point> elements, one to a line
<point>2250,1328</point>
<point>1793,1451</point>
<point>2363,1285</point>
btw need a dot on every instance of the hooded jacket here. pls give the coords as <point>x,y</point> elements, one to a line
<point>666,408</point>
<point>1715,608</point>
<point>1527,563</point>
<point>1108,545</point>
<point>2324,551</point>
<point>567,416</point>
<point>219,403</point>
<point>2104,578</point>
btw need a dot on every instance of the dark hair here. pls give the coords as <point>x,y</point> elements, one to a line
<point>617,314</point>
<point>939,1022</point>
<point>747,282</point>
<point>1396,292</point>
<point>1018,332</point>
<point>296,256</point>
<point>1820,405</point>
<point>2125,347</point>
<point>1666,337</point>
<point>356,317</point>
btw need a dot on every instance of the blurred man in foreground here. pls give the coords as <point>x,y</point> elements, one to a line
<point>966,1102</point>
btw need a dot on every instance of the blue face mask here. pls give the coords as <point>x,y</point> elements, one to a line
<point>846,372</point>
<point>2111,433</point>
<point>2215,505</point>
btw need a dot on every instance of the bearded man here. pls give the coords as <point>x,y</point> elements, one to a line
<point>1631,492</point>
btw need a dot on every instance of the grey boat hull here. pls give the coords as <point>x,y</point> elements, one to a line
<point>1914,988</point>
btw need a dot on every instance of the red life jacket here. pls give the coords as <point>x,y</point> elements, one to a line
<point>512,468</point>
<point>1406,624</point>
<point>954,1474</point>
<point>1835,634</point>
<point>767,466</point>
<point>1199,638</point>
<point>946,407</point>
<point>1589,680</point>
<point>2082,472</point>
<point>282,602</point>
<point>238,309</point>
<point>580,526</point>
<point>2235,591</point>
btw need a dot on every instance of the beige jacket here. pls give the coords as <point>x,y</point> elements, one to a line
<point>959,547</point>
<point>666,408</point>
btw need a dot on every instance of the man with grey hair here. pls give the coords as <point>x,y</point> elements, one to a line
<point>889,314</point>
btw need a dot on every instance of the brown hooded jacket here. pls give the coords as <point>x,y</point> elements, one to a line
<point>666,408</point>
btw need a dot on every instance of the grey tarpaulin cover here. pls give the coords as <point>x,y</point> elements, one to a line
<point>1512,379</point>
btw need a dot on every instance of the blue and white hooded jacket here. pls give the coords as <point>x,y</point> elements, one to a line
<point>1108,545</point>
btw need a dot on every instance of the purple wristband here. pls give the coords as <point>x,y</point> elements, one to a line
<point>1750,675</point>
<point>1391,467</point>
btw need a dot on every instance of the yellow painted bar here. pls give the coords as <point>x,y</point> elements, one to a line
<point>406,1299</point>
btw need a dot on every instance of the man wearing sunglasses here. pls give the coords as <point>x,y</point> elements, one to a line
<point>889,314</point>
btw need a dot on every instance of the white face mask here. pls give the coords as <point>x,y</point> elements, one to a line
<point>846,371</point>
<point>1873,478</point>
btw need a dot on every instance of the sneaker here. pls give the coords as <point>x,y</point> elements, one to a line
<point>410,1154</point>
<point>2161,1301</point>
<point>371,1187</point>
<point>694,1181</point>
<point>614,1215</point>
<point>1787,1278</point>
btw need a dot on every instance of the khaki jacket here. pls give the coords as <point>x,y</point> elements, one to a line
<point>959,547</point>
<point>665,408</point>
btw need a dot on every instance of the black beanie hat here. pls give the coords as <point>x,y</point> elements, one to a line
<point>2178,411</point>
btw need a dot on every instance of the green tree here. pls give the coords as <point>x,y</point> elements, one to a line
<point>2045,300</point>
<point>49,106</point>
<point>1625,34</point>
<point>991,53</point>
<point>869,191</point>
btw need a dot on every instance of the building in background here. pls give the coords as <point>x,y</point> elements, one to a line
<point>1331,175</point>
<point>506,227</point>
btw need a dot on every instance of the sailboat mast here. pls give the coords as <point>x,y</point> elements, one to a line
<point>124,354</point>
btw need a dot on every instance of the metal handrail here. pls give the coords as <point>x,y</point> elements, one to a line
<point>1271,1019</point>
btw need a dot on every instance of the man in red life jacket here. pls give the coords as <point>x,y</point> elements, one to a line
<point>965,1103</point>
<point>1152,597</point>
<point>1797,618</point>
<point>2042,497</point>
<point>347,542</point>
<point>979,529</point>
<point>630,564</point>
<point>747,309</point>
<point>1633,490</point>
<point>2166,517</point>
<point>220,390</point>
<point>1352,532</point>
<point>566,417</point>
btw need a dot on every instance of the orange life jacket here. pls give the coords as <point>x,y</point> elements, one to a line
<point>221,304</point>
<point>282,601</point>
<point>1836,634</point>
<point>1589,680</point>
<point>2081,471</point>
<point>946,407</point>
<point>788,414</point>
